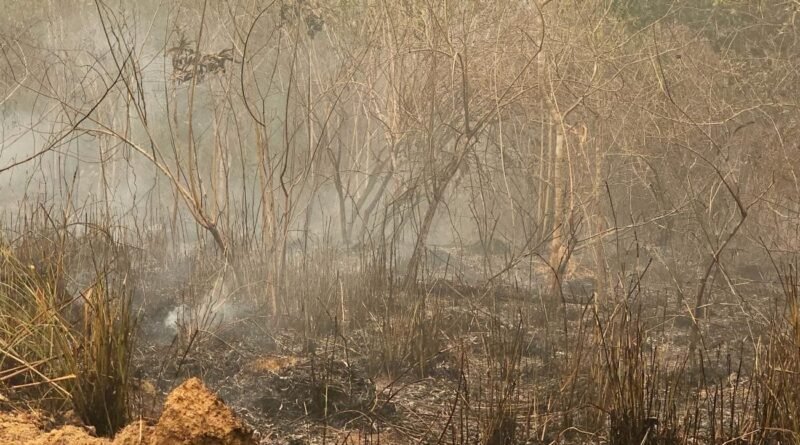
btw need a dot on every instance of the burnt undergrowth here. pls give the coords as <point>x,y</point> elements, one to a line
<point>96,322</point>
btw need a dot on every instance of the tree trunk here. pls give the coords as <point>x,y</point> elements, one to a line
<point>558,252</point>
<point>419,245</point>
<point>439,189</point>
<point>597,222</point>
<point>268,221</point>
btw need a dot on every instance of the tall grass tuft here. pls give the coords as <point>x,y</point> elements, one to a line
<point>31,322</point>
<point>63,349</point>
<point>103,343</point>
<point>779,369</point>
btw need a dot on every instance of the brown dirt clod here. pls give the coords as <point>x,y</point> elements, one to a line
<point>18,427</point>
<point>193,415</point>
<point>26,428</point>
<point>67,435</point>
<point>136,433</point>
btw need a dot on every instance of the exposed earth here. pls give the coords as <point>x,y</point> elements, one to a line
<point>271,382</point>
<point>192,415</point>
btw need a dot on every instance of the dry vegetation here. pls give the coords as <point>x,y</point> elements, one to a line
<point>495,223</point>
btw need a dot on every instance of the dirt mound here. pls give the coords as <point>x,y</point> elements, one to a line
<point>68,435</point>
<point>137,433</point>
<point>18,427</point>
<point>27,428</point>
<point>273,364</point>
<point>193,415</point>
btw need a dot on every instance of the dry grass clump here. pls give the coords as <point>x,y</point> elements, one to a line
<point>632,388</point>
<point>32,319</point>
<point>102,362</point>
<point>778,369</point>
<point>501,398</point>
<point>62,349</point>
